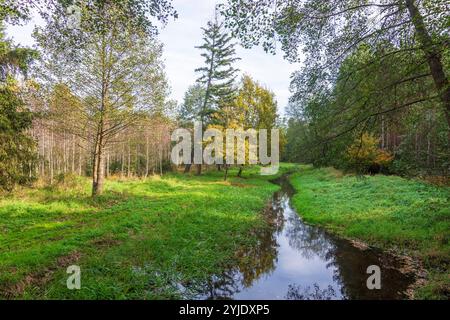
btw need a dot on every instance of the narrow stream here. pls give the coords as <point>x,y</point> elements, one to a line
<point>294,260</point>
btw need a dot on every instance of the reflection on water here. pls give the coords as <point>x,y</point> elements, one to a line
<point>293,260</point>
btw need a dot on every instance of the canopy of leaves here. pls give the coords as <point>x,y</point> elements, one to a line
<point>326,34</point>
<point>141,13</point>
<point>254,106</point>
<point>115,76</point>
<point>192,104</point>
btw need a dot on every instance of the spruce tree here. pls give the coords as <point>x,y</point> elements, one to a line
<point>218,75</point>
<point>17,148</point>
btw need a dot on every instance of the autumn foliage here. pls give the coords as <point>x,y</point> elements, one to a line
<point>365,156</point>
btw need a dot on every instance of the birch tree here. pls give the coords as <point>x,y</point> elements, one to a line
<point>113,66</point>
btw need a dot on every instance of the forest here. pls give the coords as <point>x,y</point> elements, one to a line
<point>87,176</point>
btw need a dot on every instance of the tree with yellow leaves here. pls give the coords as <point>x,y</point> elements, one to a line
<point>365,156</point>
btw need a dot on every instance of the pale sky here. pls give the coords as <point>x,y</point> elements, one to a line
<point>181,57</point>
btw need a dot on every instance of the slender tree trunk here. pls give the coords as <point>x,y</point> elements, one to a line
<point>137,160</point>
<point>199,169</point>
<point>73,153</point>
<point>240,171</point>
<point>51,159</point>
<point>64,160</point>
<point>129,161</point>
<point>79,158</point>
<point>155,163</point>
<point>107,164</point>
<point>30,168</point>
<point>146,156</point>
<point>43,153</point>
<point>433,56</point>
<point>122,164</point>
<point>95,168</point>
<point>99,164</point>
<point>160,161</point>
<point>225,177</point>
<point>100,178</point>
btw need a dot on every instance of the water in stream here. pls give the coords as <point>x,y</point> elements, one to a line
<point>294,260</point>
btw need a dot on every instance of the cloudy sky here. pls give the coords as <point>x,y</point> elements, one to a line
<point>181,57</point>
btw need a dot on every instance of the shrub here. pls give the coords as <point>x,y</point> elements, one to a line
<point>364,156</point>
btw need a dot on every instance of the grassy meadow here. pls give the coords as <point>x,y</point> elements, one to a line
<point>137,241</point>
<point>409,216</point>
<point>145,237</point>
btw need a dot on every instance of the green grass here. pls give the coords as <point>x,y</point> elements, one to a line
<point>137,241</point>
<point>409,216</point>
<point>143,237</point>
